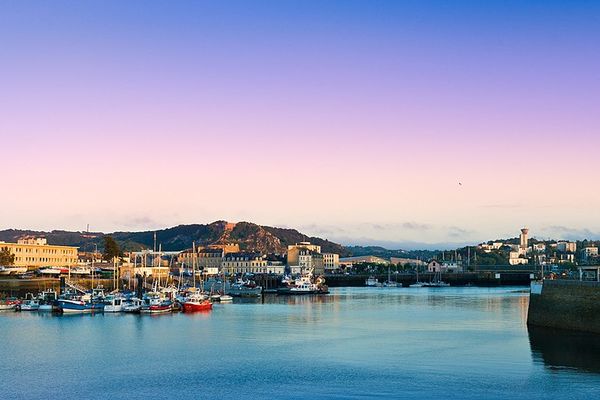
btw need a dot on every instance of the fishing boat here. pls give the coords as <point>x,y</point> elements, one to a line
<point>79,304</point>
<point>30,303</point>
<point>244,288</point>
<point>155,303</point>
<point>47,301</point>
<point>132,305</point>
<point>196,302</point>
<point>8,305</point>
<point>113,303</point>
<point>371,281</point>
<point>305,285</point>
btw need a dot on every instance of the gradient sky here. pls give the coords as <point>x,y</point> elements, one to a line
<point>352,120</point>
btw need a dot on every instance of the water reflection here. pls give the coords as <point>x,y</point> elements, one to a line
<point>558,349</point>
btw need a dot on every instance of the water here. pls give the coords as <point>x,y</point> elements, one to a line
<point>451,343</point>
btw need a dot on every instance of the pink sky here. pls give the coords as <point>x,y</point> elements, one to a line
<point>358,129</point>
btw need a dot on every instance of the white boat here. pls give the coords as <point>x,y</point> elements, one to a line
<point>372,282</point>
<point>417,284</point>
<point>225,298</point>
<point>9,306</point>
<point>305,285</point>
<point>436,282</point>
<point>132,305</point>
<point>30,305</point>
<point>113,304</point>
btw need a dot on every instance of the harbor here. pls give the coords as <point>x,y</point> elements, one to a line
<point>354,342</point>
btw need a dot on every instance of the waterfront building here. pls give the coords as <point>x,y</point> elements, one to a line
<point>275,267</point>
<point>331,261</point>
<point>410,261</point>
<point>434,266</point>
<point>243,262</point>
<point>311,260</point>
<point>34,252</point>
<point>349,261</point>
<point>293,251</point>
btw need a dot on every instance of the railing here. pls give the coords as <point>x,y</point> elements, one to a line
<point>75,286</point>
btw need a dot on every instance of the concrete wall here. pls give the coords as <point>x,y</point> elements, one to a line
<point>566,304</point>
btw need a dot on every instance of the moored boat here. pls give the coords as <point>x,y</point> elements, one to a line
<point>196,302</point>
<point>155,303</point>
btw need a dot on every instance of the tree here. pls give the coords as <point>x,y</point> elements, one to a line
<point>111,248</point>
<point>6,257</point>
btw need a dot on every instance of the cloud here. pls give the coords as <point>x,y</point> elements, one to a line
<point>140,222</point>
<point>564,232</point>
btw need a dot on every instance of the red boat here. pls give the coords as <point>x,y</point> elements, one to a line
<point>196,302</point>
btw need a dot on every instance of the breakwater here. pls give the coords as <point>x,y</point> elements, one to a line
<point>564,304</point>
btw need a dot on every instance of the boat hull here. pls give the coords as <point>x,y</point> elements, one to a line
<point>193,307</point>
<point>156,309</point>
<point>72,307</point>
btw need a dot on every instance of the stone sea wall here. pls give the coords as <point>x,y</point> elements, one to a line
<point>566,304</point>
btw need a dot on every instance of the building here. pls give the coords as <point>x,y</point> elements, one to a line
<point>589,252</point>
<point>235,263</point>
<point>294,250</point>
<point>566,247</point>
<point>410,261</point>
<point>524,239</point>
<point>349,261</point>
<point>309,260</point>
<point>434,266</point>
<point>515,258</point>
<point>32,252</point>
<point>331,261</point>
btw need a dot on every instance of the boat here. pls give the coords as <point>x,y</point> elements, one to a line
<point>389,283</point>
<point>196,302</point>
<point>417,284</point>
<point>47,301</point>
<point>132,305</point>
<point>155,303</point>
<point>305,285</point>
<point>244,288</point>
<point>113,303</point>
<point>8,305</point>
<point>436,282</point>
<point>30,303</point>
<point>372,282</point>
<point>78,305</point>
<point>225,298</point>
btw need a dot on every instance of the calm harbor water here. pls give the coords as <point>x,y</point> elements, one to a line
<point>459,343</point>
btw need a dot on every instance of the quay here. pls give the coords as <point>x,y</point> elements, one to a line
<point>481,278</point>
<point>565,304</point>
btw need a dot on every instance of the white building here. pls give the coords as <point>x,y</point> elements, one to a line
<point>331,261</point>
<point>234,263</point>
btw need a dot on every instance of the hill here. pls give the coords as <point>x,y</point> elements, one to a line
<point>249,236</point>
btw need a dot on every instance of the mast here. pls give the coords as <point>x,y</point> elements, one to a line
<point>194,264</point>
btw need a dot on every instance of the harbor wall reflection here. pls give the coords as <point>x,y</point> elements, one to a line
<point>558,349</point>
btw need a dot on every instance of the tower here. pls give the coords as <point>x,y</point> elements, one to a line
<point>524,239</point>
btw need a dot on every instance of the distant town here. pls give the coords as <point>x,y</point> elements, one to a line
<point>31,254</point>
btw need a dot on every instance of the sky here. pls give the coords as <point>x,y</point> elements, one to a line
<point>402,123</point>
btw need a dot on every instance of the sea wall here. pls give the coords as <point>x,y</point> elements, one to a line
<point>565,304</point>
